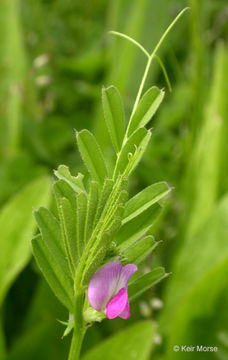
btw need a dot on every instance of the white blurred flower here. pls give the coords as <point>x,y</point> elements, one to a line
<point>43,80</point>
<point>41,60</point>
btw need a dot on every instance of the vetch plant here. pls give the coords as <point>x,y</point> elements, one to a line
<point>89,253</point>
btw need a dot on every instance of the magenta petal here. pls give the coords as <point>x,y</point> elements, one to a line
<point>126,272</point>
<point>126,312</point>
<point>103,285</point>
<point>117,305</point>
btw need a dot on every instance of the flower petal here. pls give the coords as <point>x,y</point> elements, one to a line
<point>126,272</point>
<point>126,312</point>
<point>117,305</point>
<point>103,284</point>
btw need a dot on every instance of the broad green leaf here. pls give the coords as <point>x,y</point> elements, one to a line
<point>114,115</point>
<point>67,217</point>
<point>76,182</point>
<point>92,204</point>
<point>17,226</point>
<point>132,152</point>
<point>92,156</point>
<point>199,278</point>
<point>135,342</point>
<point>145,199</point>
<point>81,203</point>
<point>137,227</point>
<point>146,108</point>
<point>54,267</point>
<point>145,282</point>
<point>136,253</point>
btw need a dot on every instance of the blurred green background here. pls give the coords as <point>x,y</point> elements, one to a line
<point>54,58</point>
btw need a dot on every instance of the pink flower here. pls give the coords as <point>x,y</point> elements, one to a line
<point>107,290</point>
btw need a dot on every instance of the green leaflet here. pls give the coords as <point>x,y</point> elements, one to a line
<point>136,253</point>
<point>81,201</point>
<point>132,152</point>
<point>91,155</point>
<point>94,265</point>
<point>114,115</point>
<point>17,226</point>
<point>106,191</point>
<point>91,210</point>
<point>145,282</point>
<point>135,342</point>
<point>55,269</point>
<point>49,227</point>
<point>63,190</point>
<point>63,173</point>
<point>146,108</point>
<point>145,199</point>
<point>109,223</point>
<point>67,220</point>
<point>137,227</point>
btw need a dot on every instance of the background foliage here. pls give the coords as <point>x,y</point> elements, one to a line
<point>54,58</point>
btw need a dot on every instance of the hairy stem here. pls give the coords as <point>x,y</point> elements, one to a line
<point>79,327</point>
<point>76,344</point>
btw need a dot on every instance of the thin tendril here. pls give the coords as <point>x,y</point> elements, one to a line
<point>131,40</point>
<point>164,71</point>
<point>153,55</point>
<point>150,57</point>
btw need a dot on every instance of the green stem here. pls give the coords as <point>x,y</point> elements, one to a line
<point>79,326</point>
<point>142,85</point>
<point>76,344</point>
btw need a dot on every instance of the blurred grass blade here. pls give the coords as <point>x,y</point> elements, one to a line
<point>146,108</point>
<point>134,342</point>
<point>54,267</point>
<point>17,225</point>
<point>144,199</point>
<point>138,252</point>
<point>114,115</point>
<point>12,74</point>
<point>137,227</point>
<point>145,282</point>
<point>205,166</point>
<point>132,152</point>
<point>198,282</point>
<point>92,156</point>
<point>76,182</point>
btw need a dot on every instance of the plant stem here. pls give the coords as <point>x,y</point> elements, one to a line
<point>142,84</point>
<point>79,326</point>
<point>76,344</point>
